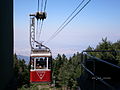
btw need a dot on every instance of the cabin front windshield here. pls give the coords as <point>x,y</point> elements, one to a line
<point>41,63</point>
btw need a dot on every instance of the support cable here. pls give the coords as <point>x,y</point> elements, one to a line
<point>41,5</point>
<point>67,22</point>
<point>38,6</point>
<point>39,34</point>
<point>37,29</point>
<point>45,5</point>
<point>39,26</point>
<point>67,19</point>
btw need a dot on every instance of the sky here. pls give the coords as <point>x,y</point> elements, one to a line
<point>99,19</point>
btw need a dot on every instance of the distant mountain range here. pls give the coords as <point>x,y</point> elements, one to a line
<point>26,58</point>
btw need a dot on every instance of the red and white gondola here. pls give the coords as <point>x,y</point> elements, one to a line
<point>40,65</point>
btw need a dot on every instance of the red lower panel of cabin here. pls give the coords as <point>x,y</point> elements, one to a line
<point>40,76</point>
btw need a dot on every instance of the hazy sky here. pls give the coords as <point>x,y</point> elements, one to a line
<point>99,19</point>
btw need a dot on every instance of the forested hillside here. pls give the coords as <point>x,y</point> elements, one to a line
<point>66,71</point>
<point>21,71</point>
<point>113,57</point>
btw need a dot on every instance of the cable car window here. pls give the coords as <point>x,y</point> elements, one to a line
<point>49,62</point>
<point>32,63</point>
<point>41,63</point>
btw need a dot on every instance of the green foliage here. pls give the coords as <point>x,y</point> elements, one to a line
<point>32,87</point>
<point>45,89</point>
<point>66,71</point>
<point>113,57</point>
<point>21,72</point>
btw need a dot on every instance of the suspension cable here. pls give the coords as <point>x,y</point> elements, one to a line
<point>37,29</point>
<point>38,6</point>
<point>41,5</point>
<point>67,18</point>
<point>39,34</point>
<point>67,22</point>
<point>45,5</point>
<point>39,26</point>
<point>71,14</point>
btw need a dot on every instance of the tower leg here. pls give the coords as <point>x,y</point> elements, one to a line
<point>6,45</point>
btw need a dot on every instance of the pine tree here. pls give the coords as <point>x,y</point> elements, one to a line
<point>21,71</point>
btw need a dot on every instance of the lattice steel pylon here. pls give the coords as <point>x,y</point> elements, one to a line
<point>32,31</point>
<point>37,16</point>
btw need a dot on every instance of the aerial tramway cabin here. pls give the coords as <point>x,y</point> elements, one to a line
<point>40,65</point>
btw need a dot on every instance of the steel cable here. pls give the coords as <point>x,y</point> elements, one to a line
<point>45,5</point>
<point>66,22</point>
<point>41,25</point>
<point>67,19</point>
<point>38,6</point>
